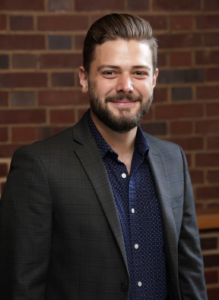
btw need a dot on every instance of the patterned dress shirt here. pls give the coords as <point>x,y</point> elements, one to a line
<point>140,217</point>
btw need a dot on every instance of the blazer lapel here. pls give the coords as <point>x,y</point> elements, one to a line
<point>157,166</point>
<point>89,155</point>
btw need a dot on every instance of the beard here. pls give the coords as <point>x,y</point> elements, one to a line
<point>126,121</point>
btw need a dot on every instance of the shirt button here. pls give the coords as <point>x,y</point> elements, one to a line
<point>136,246</point>
<point>139,283</point>
<point>133,210</point>
<point>123,175</point>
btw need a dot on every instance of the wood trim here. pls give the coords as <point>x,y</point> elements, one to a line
<point>208,222</point>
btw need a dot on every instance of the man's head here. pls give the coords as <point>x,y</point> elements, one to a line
<point>119,72</point>
<point>115,26</point>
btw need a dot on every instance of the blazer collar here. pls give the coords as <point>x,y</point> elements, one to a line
<point>90,157</point>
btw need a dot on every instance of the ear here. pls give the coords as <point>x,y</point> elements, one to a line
<point>155,77</point>
<point>83,79</point>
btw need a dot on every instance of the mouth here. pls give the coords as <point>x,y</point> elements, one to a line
<point>123,102</point>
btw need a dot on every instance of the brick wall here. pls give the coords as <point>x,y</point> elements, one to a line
<point>40,52</point>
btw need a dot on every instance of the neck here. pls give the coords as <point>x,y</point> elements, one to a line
<point>121,143</point>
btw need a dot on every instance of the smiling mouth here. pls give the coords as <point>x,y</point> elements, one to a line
<point>123,103</point>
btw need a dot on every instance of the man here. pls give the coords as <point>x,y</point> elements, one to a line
<point>103,210</point>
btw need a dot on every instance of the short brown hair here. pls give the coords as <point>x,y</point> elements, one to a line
<point>113,26</point>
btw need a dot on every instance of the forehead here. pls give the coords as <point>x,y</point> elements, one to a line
<point>119,52</point>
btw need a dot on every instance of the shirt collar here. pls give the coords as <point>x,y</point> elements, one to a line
<point>141,145</point>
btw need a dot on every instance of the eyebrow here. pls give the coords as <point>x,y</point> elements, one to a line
<point>117,67</point>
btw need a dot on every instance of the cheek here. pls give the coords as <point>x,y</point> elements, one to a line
<point>144,88</point>
<point>104,87</point>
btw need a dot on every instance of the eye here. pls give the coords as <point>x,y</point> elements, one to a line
<point>140,74</point>
<point>109,74</point>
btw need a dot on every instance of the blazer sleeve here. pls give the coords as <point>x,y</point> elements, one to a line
<point>190,261</point>
<point>25,229</point>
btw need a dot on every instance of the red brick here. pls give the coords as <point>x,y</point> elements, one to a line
<point>23,134</point>
<point>3,170</point>
<point>213,207</point>
<point>8,150</point>
<point>207,160</point>
<point>155,128</point>
<point>3,134</point>
<point>211,5</point>
<point>208,243</point>
<point>180,59</point>
<point>195,143</point>
<point>212,109</point>
<point>60,5</point>
<point>207,193</point>
<point>207,126</point>
<point>178,111</point>
<point>61,60</point>
<point>24,61</point>
<point>178,128</point>
<point>62,116</point>
<point>23,98</point>
<point>55,98</point>
<point>21,23</point>
<point>181,22</point>
<point>176,5</point>
<point>196,176</point>
<point>207,57</point>
<point>3,23</point>
<point>81,112</point>
<point>26,42</point>
<point>3,98</point>
<point>213,142</point>
<point>21,5</point>
<point>62,23</point>
<point>1,187</point>
<point>162,59</point>
<point>211,39</point>
<point>160,95</point>
<point>62,79</point>
<point>207,92</point>
<point>79,42</point>
<point>23,80</point>
<point>81,5</point>
<point>45,132</point>
<point>22,116</point>
<point>156,22</point>
<point>138,5</point>
<point>207,22</point>
<point>213,293</point>
<point>213,176</point>
<point>179,40</point>
<point>212,74</point>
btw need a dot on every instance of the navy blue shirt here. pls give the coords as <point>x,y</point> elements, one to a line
<point>140,217</point>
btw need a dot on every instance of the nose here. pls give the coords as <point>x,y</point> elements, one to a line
<point>124,84</point>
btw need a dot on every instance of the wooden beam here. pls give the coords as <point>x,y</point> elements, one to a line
<point>208,222</point>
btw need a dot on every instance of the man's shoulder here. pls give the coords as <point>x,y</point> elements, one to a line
<point>58,144</point>
<point>161,145</point>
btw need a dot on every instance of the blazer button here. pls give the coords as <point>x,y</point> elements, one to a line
<point>124,287</point>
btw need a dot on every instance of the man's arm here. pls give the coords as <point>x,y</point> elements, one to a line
<point>191,269</point>
<point>25,229</point>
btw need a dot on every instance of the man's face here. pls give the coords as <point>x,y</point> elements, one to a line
<point>120,83</point>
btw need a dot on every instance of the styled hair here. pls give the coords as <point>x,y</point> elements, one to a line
<point>114,26</point>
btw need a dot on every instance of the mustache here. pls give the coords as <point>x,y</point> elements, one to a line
<point>123,96</point>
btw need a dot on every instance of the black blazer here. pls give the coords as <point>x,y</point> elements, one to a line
<point>60,234</point>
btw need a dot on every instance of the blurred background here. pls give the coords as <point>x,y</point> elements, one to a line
<point>40,52</point>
